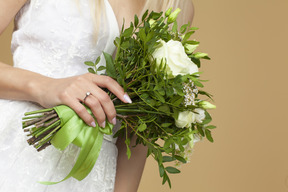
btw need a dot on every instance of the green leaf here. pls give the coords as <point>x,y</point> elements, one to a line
<point>142,34</point>
<point>196,61</point>
<point>89,63</point>
<point>164,178</point>
<point>188,35</point>
<point>136,20</point>
<point>128,152</point>
<point>194,28</point>
<point>178,101</point>
<point>156,15</point>
<point>210,127</point>
<point>198,84</point>
<point>101,68</point>
<point>208,135</point>
<point>184,28</point>
<point>164,108</point>
<point>169,182</point>
<point>91,70</point>
<point>175,27</point>
<point>168,142</point>
<point>145,15</point>
<point>128,32</point>
<point>199,55</point>
<point>159,97</point>
<point>181,159</point>
<point>161,170</point>
<point>200,130</point>
<point>97,60</point>
<point>207,119</point>
<point>110,65</point>
<point>172,170</point>
<point>168,159</point>
<point>142,127</point>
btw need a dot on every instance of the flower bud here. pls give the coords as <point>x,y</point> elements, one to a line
<point>152,23</point>
<point>168,12</point>
<point>206,105</point>
<point>189,48</point>
<point>173,16</point>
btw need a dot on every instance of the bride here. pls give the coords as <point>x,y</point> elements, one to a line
<point>51,41</point>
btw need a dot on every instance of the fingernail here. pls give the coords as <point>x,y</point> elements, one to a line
<point>103,124</point>
<point>93,124</point>
<point>114,121</point>
<point>127,98</point>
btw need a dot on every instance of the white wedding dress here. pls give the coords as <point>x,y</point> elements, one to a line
<point>54,38</point>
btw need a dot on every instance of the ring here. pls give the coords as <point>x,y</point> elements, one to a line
<point>87,94</point>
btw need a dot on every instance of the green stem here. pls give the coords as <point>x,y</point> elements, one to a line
<point>138,111</point>
<point>48,137</point>
<point>39,111</point>
<point>32,117</point>
<point>47,128</point>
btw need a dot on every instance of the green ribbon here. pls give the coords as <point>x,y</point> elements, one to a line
<point>89,139</point>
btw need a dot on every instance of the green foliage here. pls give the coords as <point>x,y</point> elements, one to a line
<point>157,99</point>
<point>93,66</point>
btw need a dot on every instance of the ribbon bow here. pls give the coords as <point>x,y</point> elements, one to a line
<point>89,139</point>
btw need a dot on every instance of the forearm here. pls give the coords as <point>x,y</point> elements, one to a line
<point>19,84</point>
<point>129,172</point>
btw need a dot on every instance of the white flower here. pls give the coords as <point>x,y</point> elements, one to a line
<point>200,116</point>
<point>173,54</point>
<point>185,119</point>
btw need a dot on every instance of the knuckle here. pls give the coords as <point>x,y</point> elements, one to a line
<point>111,114</point>
<point>101,118</point>
<point>94,104</point>
<point>105,98</point>
<point>89,75</point>
<point>80,78</point>
<point>109,80</point>
<point>81,111</point>
<point>63,96</point>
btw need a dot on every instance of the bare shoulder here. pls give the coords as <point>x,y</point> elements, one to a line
<point>8,9</point>
<point>187,12</point>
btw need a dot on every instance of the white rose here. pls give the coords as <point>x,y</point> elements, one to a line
<point>185,119</point>
<point>200,116</point>
<point>173,53</point>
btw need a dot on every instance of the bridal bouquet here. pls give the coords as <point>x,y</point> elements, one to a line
<point>158,67</point>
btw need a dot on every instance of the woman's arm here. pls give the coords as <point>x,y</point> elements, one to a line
<point>20,84</point>
<point>129,172</point>
<point>8,10</point>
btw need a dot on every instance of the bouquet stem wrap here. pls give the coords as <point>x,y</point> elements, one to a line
<point>74,130</point>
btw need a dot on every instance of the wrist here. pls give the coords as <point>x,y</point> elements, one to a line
<point>36,88</point>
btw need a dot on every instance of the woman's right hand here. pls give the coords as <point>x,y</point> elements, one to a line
<point>71,91</point>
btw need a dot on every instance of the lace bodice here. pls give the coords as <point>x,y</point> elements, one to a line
<point>58,44</point>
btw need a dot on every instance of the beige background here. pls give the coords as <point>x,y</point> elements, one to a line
<point>247,41</point>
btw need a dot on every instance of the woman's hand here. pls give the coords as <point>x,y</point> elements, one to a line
<point>71,91</point>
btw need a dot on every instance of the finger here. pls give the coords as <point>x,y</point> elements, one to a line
<point>106,104</point>
<point>97,110</point>
<point>81,112</point>
<point>113,86</point>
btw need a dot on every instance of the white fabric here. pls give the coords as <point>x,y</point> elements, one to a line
<point>54,38</point>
